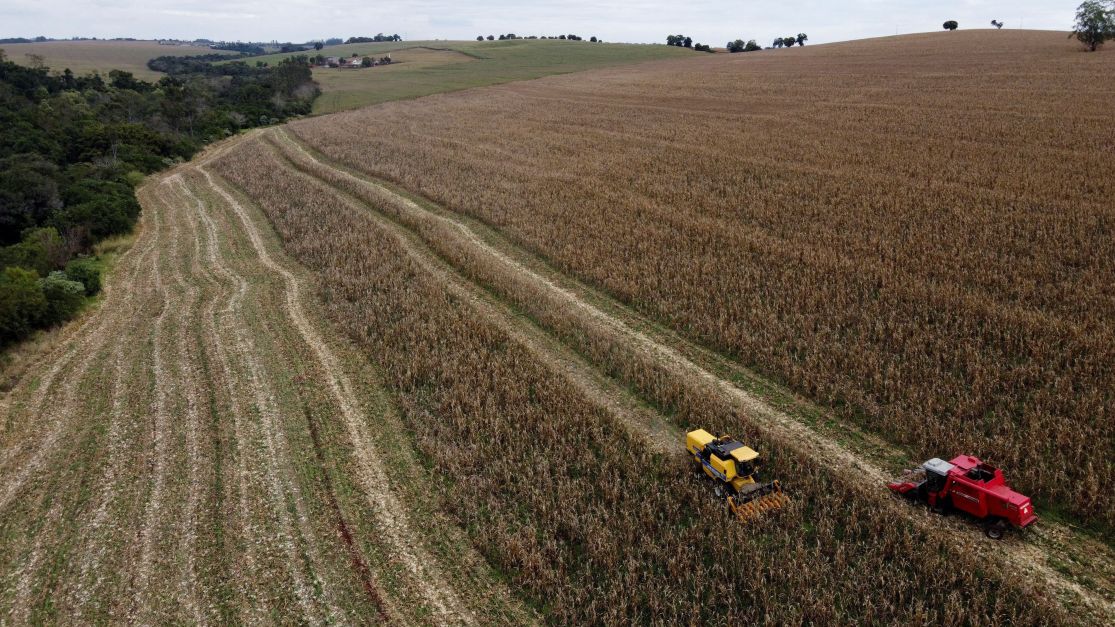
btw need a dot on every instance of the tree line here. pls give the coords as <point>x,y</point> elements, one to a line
<point>739,45</point>
<point>567,37</point>
<point>378,37</point>
<point>75,147</point>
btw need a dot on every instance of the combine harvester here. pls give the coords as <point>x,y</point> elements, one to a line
<point>968,485</point>
<point>733,467</point>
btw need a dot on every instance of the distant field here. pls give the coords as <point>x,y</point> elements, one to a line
<point>83,57</point>
<point>430,67</point>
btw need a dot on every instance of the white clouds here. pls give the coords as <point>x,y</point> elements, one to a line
<point>711,21</point>
<point>210,15</point>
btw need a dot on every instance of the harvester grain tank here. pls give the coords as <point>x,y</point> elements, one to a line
<point>969,485</point>
<point>734,469</point>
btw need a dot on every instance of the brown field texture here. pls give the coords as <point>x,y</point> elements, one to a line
<point>571,488</point>
<point>915,231</point>
<point>310,395</point>
<point>84,57</point>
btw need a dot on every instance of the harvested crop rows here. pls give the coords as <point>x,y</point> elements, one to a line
<point>915,232</point>
<point>508,385</point>
<point>196,451</point>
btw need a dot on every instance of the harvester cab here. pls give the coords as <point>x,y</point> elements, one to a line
<point>734,469</point>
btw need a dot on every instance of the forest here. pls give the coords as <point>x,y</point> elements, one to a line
<point>75,147</point>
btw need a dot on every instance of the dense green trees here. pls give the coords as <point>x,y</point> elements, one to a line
<point>73,148</point>
<point>378,37</point>
<point>1095,23</point>
<point>788,42</point>
<point>740,45</point>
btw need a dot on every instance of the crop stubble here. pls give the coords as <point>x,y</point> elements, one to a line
<point>158,465</point>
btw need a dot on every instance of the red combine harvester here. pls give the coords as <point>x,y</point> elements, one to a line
<point>971,486</point>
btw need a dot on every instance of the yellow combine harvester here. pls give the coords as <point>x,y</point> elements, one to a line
<point>735,470</point>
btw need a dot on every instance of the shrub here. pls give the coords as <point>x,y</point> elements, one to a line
<point>41,250</point>
<point>85,271</point>
<point>63,298</point>
<point>101,217</point>
<point>951,25</point>
<point>22,304</point>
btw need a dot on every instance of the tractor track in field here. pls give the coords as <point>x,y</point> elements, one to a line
<point>160,424</point>
<point>1034,554</point>
<point>390,513</point>
<point>368,579</point>
<point>273,461</point>
<point>155,461</point>
<point>86,340</point>
<point>92,337</point>
<point>231,290</point>
<point>609,395</point>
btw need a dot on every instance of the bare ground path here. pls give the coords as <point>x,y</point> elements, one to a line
<point>482,265</point>
<point>200,449</point>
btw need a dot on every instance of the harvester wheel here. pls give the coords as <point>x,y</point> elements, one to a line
<point>996,530</point>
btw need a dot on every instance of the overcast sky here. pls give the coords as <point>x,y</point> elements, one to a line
<point>711,21</point>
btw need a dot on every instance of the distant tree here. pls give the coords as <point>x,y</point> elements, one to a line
<point>1095,24</point>
<point>366,62</point>
<point>479,38</point>
<point>125,80</point>
<point>778,43</point>
<point>752,46</point>
<point>790,41</point>
<point>687,42</point>
<point>996,24</point>
<point>561,36</point>
<point>592,39</point>
<point>334,41</point>
<point>318,45</point>
<point>801,39</point>
<point>702,47</point>
<point>736,46</point>
<point>396,37</point>
<point>951,25</point>
<point>490,38</point>
<point>671,40</point>
<point>503,37</point>
<point>28,194</point>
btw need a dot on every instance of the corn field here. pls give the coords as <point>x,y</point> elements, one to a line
<point>916,233</point>
<point>589,522</point>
